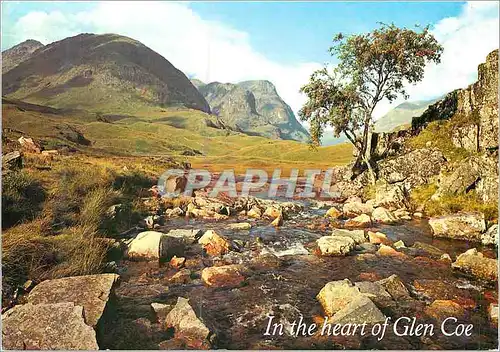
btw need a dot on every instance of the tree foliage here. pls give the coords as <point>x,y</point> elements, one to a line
<point>372,67</point>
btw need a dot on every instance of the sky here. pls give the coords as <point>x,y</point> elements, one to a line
<point>283,42</point>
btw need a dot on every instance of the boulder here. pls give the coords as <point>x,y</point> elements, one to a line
<point>214,244</point>
<point>254,212</point>
<point>335,245</point>
<point>175,184</point>
<point>278,221</point>
<point>384,216</point>
<point>402,214</point>
<point>29,145</point>
<point>173,213</point>
<point>355,208</point>
<point>357,235</point>
<point>362,220</point>
<point>272,212</point>
<point>240,226</point>
<point>223,276</point>
<point>459,226</point>
<point>181,277</point>
<point>12,161</point>
<point>359,311</point>
<point>384,250</point>
<point>391,196</point>
<point>92,292</point>
<point>333,213</point>
<point>161,310</point>
<point>176,262</point>
<point>493,313</point>
<point>430,249</point>
<point>395,287</point>
<point>54,326</point>
<point>336,295</point>
<point>442,309</point>
<point>475,263</point>
<point>399,244</point>
<point>185,322</point>
<point>375,291</point>
<point>155,245</point>
<point>490,237</point>
<point>378,238</point>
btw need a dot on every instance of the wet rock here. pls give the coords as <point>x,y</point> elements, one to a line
<point>362,220</point>
<point>490,237</point>
<point>355,208</point>
<point>357,235</point>
<point>278,221</point>
<point>366,248</point>
<point>183,276</point>
<point>475,263</point>
<point>223,276</point>
<point>254,212</point>
<point>267,261</point>
<point>176,262</point>
<point>333,213</point>
<point>360,310</point>
<point>399,244</point>
<point>375,291</point>
<point>384,250</point>
<point>175,212</point>
<point>161,310</point>
<point>240,226</point>
<point>214,244</point>
<point>186,323</point>
<point>92,292</point>
<point>55,326</point>
<point>378,237</point>
<point>335,245</point>
<point>336,295</point>
<point>272,212</point>
<point>440,290</point>
<point>459,226</point>
<point>395,287</point>
<point>493,312</point>
<point>442,309</point>
<point>155,245</point>
<point>384,216</point>
<point>430,249</point>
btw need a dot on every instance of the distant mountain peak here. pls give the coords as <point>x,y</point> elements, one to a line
<point>19,53</point>
<point>118,72</point>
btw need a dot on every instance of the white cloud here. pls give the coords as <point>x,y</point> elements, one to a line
<point>466,39</point>
<point>214,51</point>
<point>208,50</point>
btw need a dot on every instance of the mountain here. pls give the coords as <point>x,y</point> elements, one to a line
<point>108,73</point>
<point>402,115</point>
<point>253,107</point>
<point>19,53</point>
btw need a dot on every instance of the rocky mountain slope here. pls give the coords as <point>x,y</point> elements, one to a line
<point>109,73</point>
<point>19,53</point>
<point>253,107</point>
<point>402,115</point>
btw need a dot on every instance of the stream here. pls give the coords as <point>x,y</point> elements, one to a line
<point>284,276</point>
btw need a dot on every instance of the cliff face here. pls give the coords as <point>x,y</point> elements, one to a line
<point>253,107</point>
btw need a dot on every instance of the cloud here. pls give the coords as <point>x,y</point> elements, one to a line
<point>466,39</point>
<point>214,51</point>
<point>207,50</point>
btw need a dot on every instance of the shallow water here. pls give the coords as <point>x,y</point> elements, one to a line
<point>287,288</point>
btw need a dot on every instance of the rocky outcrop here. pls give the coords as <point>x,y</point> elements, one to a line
<point>55,326</point>
<point>459,226</point>
<point>255,108</point>
<point>490,237</point>
<point>478,173</point>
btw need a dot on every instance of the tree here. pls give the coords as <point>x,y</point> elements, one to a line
<point>372,67</point>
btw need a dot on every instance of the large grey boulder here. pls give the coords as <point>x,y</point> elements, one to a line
<point>359,311</point>
<point>335,295</point>
<point>490,237</point>
<point>55,326</point>
<point>459,226</point>
<point>357,235</point>
<point>153,245</point>
<point>384,216</point>
<point>391,195</point>
<point>92,292</point>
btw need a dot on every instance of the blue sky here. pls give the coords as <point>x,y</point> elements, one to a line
<point>283,42</point>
